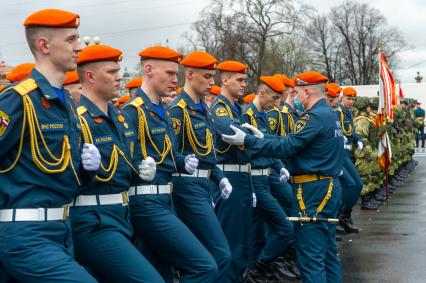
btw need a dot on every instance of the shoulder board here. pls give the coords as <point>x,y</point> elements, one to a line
<point>249,112</point>
<point>81,110</point>
<point>218,101</point>
<point>25,87</point>
<point>181,104</point>
<point>137,102</point>
<point>285,109</point>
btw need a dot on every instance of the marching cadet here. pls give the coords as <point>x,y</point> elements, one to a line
<point>73,86</point>
<point>42,162</point>
<point>234,214</point>
<point>289,110</point>
<point>194,134</point>
<point>268,210</point>
<point>350,180</point>
<point>314,153</point>
<point>332,94</point>
<point>420,119</point>
<point>164,239</point>
<point>278,120</point>
<point>99,215</point>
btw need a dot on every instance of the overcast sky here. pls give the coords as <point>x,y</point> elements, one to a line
<point>132,25</point>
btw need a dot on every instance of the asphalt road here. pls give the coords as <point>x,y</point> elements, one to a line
<point>392,244</point>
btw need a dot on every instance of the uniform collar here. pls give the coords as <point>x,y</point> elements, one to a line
<point>46,88</point>
<point>190,103</point>
<point>148,103</point>
<point>94,110</point>
<point>227,102</point>
<point>256,113</point>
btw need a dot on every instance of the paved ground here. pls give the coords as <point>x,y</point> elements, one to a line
<point>392,245</point>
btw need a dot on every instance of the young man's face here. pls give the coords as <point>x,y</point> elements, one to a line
<point>235,83</point>
<point>269,99</point>
<point>332,101</point>
<point>348,101</point>
<point>163,75</point>
<point>107,79</point>
<point>202,80</point>
<point>63,46</point>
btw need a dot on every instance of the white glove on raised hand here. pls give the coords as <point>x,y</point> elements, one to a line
<point>255,131</point>
<point>225,188</point>
<point>147,169</point>
<point>284,175</point>
<point>191,163</point>
<point>90,157</point>
<point>360,145</point>
<point>237,139</point>
<point>254,200</point>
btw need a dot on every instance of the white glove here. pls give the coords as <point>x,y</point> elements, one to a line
<point>284,175</point>
<point>255,131</point>
<point>254,200</point>
<point>345,139</point>
<point>360,145</point>
<point>191,163</point>
<point>90,157</point>
<point>340,173</point>
<point>237,139</point>
<point>226,188</point>
<point>147,169</point>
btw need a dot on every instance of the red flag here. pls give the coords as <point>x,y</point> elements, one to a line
<point>401,94</point>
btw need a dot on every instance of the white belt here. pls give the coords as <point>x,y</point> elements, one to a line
<point>87,200</point>
<point>151,190</point>
<point>348,146</point>
<point>235,168</point>
<point>34,214</point>
<point>197,174</point>
<point>261,172</point>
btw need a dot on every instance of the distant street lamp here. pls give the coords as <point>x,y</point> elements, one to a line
<point>418,78</point>
<point>88,40</point>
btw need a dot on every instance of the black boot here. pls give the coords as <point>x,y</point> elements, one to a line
<point>346,222</point>
<point>261,272</point>
<point>284,269</point>
<point>367,203</point>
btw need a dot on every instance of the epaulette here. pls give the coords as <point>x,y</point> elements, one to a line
<point>217,102</point>
<point>181,104</point>
<point>26,86</point>
<point>81,110</point>
<point>249,112</point>
<point>137,102</point>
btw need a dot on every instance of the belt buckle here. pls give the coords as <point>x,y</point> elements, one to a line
<point>124,198</point>
<point>66,212</point>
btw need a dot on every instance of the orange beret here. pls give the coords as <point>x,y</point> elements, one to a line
<point>349,91</point>
<point>122,100</point>
<point>286,81</point>
<point>215,90</point>
<point>71,78</point>
<point>95,53</point>
<point>200,59</point>
<point>20,72</point>
<point>249,98</point>
<point>135,82</point>
<point>333,89</point>
<point>310,78</point>
<point>53,18</point>
<point>160,53</point>
<point>232,66</point>
<point>273,83</point>
<point>179,90</point>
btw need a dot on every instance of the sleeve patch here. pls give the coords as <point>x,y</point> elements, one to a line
<point>272,123</point>
<point>221,112</point>
<point>4,122</point>
<point>177,124</point>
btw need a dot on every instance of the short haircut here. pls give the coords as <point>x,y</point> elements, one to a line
<point>33,33</point>
<point>81,69</point>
